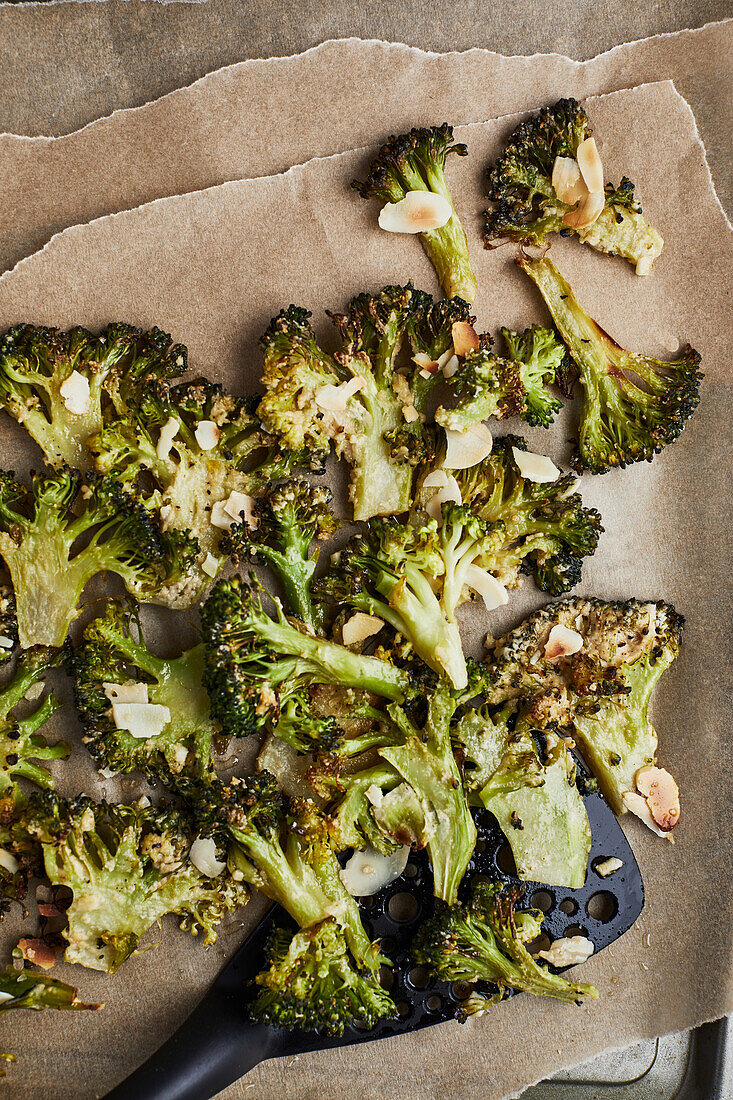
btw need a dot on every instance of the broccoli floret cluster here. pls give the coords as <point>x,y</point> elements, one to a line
<point>523,186</point>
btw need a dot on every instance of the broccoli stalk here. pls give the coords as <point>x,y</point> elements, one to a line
<point>127,867</point>
<point>36,362</point>
<point>252,658</point>
<point>28,988</point>
<point>49,573</point>
<point>109,656</point>
<point>288,517</point>
<point>485,940</point>
<point>527,208</point>
<point>634,405</point>
<point>416,162</point>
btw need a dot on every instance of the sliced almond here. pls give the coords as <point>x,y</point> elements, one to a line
<point>445,358</point>
<point>129,692</point>
<point>662,795</point>
<point>203,857</point>
<point>451,492</point>
<point>6,642</point>
<point>451,366</point>
<point>210,565</point>
<point>241,506</point>
<point>568,951</point>
<point>562,642</point>
<point>410,413</point>
<point>360,627</point>
<point>207,434</point>
<point>465,338</point>
<point>335,398</point>
<point>367,872</point>
<point>418,212</point>
<point>567,181</point>
<point>423,360</point>
<point>609,866</point>
<point>534,467</point>
<point>491,591</point>
<point>467,449</point>
<point>75,393</point>
<point>589,163</point>
<point>8,861</point>
<point>587,211</point>
<point>637,804</point>
<point>438,479</point>
<point>168,433</point>
<point>141,719</point>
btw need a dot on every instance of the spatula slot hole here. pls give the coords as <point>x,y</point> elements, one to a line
<point>542,899</point>
<point>602,906</point>
<point>404,1010</point>
<point>419,978</point>
<point>575,930</point>
<point>386,977</point>
<point>542,943</point>
<point>505,860</point>
<point>461,991</point>
<point>434,1003</point>
<point>569,907</point>
<point>402,907</point>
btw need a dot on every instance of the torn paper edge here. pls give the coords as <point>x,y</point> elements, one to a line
<point>322,46</point>
<point>298,168</point>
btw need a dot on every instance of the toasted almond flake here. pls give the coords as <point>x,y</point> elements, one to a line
<point>568,951</point>
<point>141,719</point>
<point>423,360</point>
<point>180,755</point>
<point>6,996</point>
<point>589,163</point>
<point>609,866</point>
<point>662,795</point>
<point>129,692</point>
<point>35,691</point>
<point>207,434</point>
<point>210,565</point>
<point>6,642</point>
<point>360,627</point>
<point>367,872</point>
<point>335,398</point>
<point>203,857</point>
<point>108,773</point>
<point>8,861</point>
<point>38,952</point>
<point>562,642</point>
<point>638,805</point>
<point>451,492</point>
<point>466,449</point>
<point>168,433</point>
<point>425,373</point>
<point>587,211</point>
<point>534,467</point>
<point>437,479</point>
<point>451,366</point>
<point>410,414</point>
<point>465,338</point>
<point>241,506</point>
<point>644,265</point>
<point>75,393</point>
<point>491,591</point>
<point>418,212</point>
<point>165,511</point>
<point>445,357</point>
<point>567,181</point>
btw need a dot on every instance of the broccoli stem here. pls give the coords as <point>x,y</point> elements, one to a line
<point>283,875</point>
<point>294,570</point>
<point>379,485</point>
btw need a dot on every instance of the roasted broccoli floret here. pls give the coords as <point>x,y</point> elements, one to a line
<point>20,741</point>
<point>360,399</point>
<point>8,622</point>
<point>416,162</point>
<point>603,690</point>
<point>127,867</point>
<point>633,405</point>
<point>40,529</point>
<point>108,661</point>
<point>287,519</point>
<point>60,385</point>
<point>486,940</point>
<point>207,453</point>
<point>254,661</point>
<point>525,776</point>
<point>540,355</point>
<point>526,204</point>
<point>310,983</point>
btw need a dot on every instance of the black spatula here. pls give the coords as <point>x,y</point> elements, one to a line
<point>219,1043</point>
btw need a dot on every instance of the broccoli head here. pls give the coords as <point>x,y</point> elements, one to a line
<point>603,690</point>
<point>253,659</point>
<point>633,404</point>
<point>416,162</point>
<point>311,983</point>
<point>485,385</point>
<point>8,622</point>
<point>40,531</point>
<point>109,659</point>
<point>288,517</point>
<point>485,940</point>
<point>61,386</point>
<point>540,355</point>
<point>20,742</point>
<point>527,206</point>
<point>126,867</point>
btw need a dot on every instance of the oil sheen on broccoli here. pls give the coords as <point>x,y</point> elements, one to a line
<point>416,162</point>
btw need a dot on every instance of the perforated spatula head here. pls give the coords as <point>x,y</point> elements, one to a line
<point>219,1042</point>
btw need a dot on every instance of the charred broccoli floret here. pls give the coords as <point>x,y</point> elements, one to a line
<point>633,405</point>
<point>207,453</point>
<point>108,661</point>
<point>360,399</point>
<point>8,622</point>
<point>60,385</point>
<point>287,519</point>
<point>416,162</point>
<point>39,532</point>
<point>522,186</point>
<point>486,940</point>
<point>540,355</point>
<point>604,689</point>
<point>127,867</point>
<point>252,660</point>
<point>20,741</point>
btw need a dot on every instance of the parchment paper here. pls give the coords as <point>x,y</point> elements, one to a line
<point>260,117</point>
<point>212,268</point>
